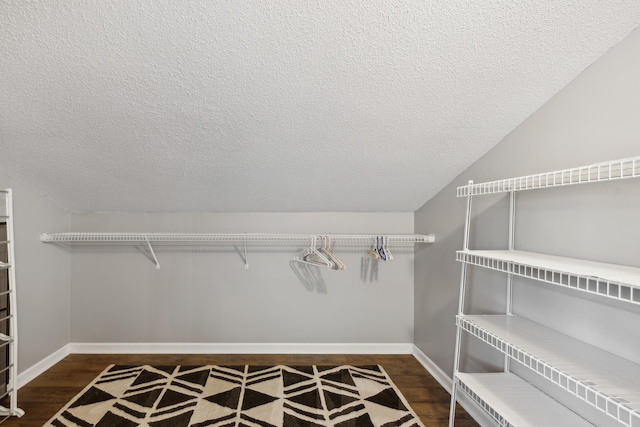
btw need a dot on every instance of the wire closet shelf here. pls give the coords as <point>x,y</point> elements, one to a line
<point>598,172</point>
<point>136,238</point>
<point>492,393</point>
<point>613,281</point>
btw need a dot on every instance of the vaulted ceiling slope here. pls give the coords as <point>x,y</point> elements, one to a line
<point>277,106</point>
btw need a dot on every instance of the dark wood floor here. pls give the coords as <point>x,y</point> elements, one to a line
<point>47,394</point>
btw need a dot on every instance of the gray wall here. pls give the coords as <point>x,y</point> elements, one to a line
<point>204,295</point>
<point>595,118</point>
<point>42,276</point>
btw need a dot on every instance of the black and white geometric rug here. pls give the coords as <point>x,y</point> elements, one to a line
<point>240,396</point>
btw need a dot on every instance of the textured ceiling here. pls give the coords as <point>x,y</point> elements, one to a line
<point>162,106</point>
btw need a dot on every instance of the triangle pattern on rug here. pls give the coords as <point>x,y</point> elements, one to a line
<point>270,412</point>
<point>337,401</point>
<point>146,377</point>
<point>306,369</point>
<point>293,421</point>
<point>181,420</point>
<point>91,396</point>
<point>211,413</point>
<point>293,378</point>
<point>165,368</point>
<point>254,398</point>
<point>310,399</point>
<point>237,368</point>
<point>89,413</point>
<point>271,386</point>
<point>112,420</point>
<point>255,422</point>
<point>228,399</point>
<point>361,421</point>
<point>217,385</point>
<point>252,369</point>
<point>381,415</point>
<point>342,376</point>
<point>146,399</point>
<point>369,387</point>
<point>116,387</point>
<point>197,378</point>
<point>389,399</point>
<point>172,397</point>
<point>259,396</point>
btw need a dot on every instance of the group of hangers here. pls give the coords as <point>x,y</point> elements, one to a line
<point>380,250</point>
<point>322,256</point>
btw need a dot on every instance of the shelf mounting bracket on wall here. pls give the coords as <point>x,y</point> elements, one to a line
<point>153,254</point>
<point>246,260</point>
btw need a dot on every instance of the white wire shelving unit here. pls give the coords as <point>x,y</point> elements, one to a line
<point>168,239</point>
<point>607,382</point>
<point>10,318</point>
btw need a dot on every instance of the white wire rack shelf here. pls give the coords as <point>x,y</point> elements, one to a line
<point>618,282</point>
<point>603,380</point>
<point>185,238</point>
<point>511,401</point>
<point>606,171</point>
<point>9,340</point>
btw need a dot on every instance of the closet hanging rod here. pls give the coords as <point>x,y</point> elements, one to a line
<point>134,238</point>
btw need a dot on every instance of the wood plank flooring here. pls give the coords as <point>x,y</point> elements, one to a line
<point>45,395</point>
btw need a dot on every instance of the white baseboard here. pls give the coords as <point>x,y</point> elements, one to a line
<point>39,368</point>
<point>445,381</point>
<point>207,348</point>
<point>433,369</point>
<point>239,348</point>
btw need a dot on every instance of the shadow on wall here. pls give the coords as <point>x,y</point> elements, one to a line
<point>368,269</point>
<point>311,276</point>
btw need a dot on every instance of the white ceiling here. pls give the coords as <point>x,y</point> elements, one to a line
<point>277,106</point>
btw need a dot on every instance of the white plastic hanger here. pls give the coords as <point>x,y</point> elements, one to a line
<point>337,264</point>
<point>308,256</point>
<point>385,243</point>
